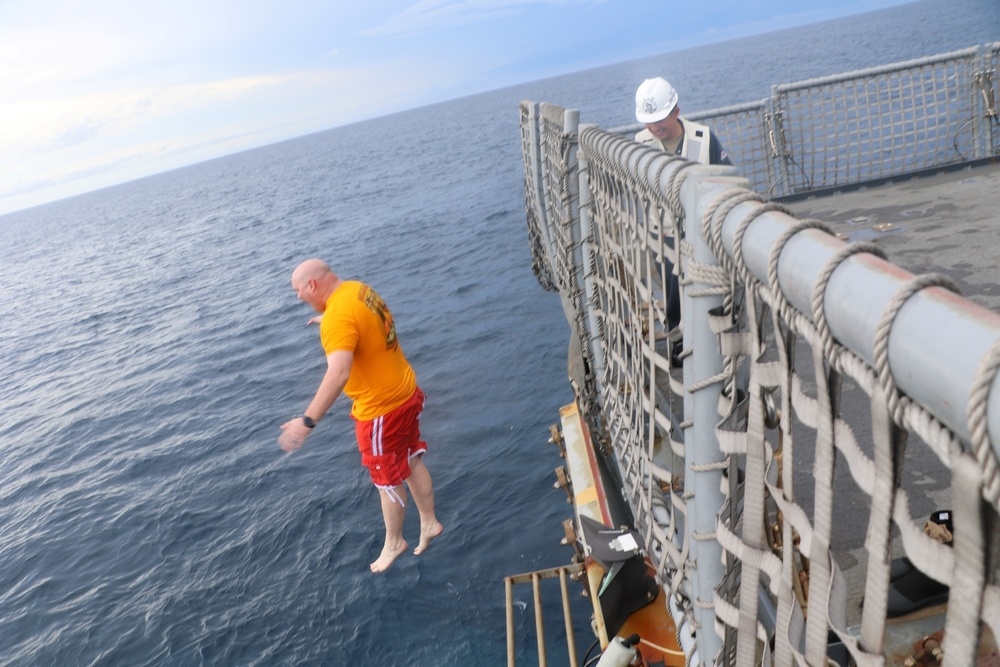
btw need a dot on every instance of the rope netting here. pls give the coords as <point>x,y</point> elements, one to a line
<point>779,525</point>
<point>887,122</point>
<point>820,458</point>
<point>867,125</point>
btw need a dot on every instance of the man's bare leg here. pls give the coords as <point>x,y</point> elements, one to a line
<point>422,489</point>
<point>393,514</point>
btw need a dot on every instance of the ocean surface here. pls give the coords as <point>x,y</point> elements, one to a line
<point>151,345</point>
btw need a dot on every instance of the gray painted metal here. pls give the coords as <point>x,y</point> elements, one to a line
<point>874,71</point>
<point>701,444</point>
<point>590,290</point>
<point>937,341</point>
<point>936,344</point>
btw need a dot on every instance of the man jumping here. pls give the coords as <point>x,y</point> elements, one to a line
<point>365,361</point>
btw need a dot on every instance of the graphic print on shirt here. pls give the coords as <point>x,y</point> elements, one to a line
<point>374,303</point>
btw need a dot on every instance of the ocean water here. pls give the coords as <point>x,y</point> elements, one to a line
<point>151,345</point>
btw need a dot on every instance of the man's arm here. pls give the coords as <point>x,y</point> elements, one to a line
<point>338,368</point>
<point>716,153</point>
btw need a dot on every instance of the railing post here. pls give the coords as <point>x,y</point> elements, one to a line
<point>573,289</point>
<point>778,150</point>
<point>508,585</point>
<point>539,622</point>
<point>984,110</point>
<point>703,381</point>
<point>590,294</point>
<point>537,184</point>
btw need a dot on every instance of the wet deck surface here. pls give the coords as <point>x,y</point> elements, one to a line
<point>948,223</point>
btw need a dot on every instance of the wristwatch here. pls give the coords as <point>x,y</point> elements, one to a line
<point>308,421</point>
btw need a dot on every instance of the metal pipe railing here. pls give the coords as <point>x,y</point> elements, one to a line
<point>535,579</point>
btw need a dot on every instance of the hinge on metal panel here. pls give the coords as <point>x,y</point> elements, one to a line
<point>563,482</point>
<point>775,134</point>
<point>555,438</point>
<point>570,539</point>
<point>984,79</point>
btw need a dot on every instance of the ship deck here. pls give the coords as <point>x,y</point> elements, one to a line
<point>946,223</point>
<point>943,223</point>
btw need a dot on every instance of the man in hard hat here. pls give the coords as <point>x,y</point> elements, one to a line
<point>656,107</point>
<point>365,361</point>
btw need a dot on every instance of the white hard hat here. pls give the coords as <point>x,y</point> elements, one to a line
<point>654,100</point>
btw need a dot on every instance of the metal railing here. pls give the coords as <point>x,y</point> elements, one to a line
<point>535,578</point>
<point>780,360</point>
<point>864,126</point>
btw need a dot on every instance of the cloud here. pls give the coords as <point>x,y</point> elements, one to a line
<point>429,15</point>
<point>84,130</point>
<point>117,133</point>
<point>55,121</point>
<point>105,91</point>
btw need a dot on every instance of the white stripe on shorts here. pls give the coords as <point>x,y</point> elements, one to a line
<point>376,437</point>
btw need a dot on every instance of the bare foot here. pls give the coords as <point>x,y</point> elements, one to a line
<point>387,557</point>
<point>426,536</point>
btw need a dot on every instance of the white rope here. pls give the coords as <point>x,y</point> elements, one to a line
<point>767,346</point>
<point>978,424</point>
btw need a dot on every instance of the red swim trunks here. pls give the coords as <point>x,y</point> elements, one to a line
<point>387,443</point>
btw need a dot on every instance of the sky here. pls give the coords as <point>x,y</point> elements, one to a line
<point>99,92</point>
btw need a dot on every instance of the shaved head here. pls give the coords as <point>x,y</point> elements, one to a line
<point>311,269</point>
<point>313,282</point>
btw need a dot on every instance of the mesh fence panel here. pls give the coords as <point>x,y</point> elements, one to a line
<point>745,136</point>
<point>878,124</point>
<point>865,126</point>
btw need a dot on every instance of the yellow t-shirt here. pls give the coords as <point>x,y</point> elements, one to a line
<point>357,319</point>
